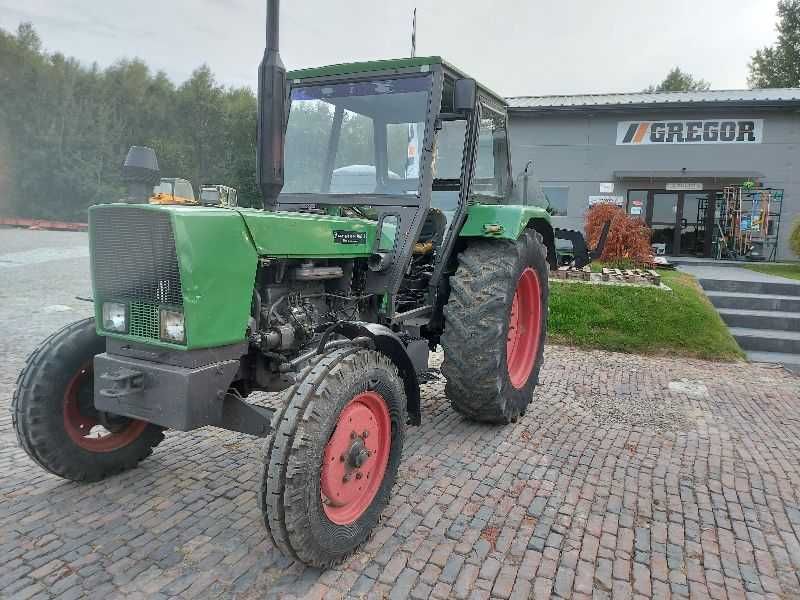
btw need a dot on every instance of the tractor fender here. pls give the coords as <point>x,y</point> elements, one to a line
<point>545,229</point>
<point>389,343</point>
<point>504,221</point>
<point>508,221</point>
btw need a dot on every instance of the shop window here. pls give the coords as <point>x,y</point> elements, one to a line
<point>637,203</point>
<point>558,200</point>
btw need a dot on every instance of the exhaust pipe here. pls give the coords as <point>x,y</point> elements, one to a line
<point>271,112</point>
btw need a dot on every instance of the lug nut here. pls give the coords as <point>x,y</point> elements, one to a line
<point>358,475</point>
<point>365,434</point>
<point>346,478</point>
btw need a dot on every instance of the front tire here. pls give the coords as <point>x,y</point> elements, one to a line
<point>333,458</point>
<point>495,328</point>
<point>54,416</point>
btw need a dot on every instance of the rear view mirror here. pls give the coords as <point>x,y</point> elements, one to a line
<point>465,94</point>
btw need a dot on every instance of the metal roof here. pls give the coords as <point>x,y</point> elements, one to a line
<point>385,65</point>
<point>362,67</point>
<point>762,97</point>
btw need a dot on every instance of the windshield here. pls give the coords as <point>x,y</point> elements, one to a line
<point>356,138</point>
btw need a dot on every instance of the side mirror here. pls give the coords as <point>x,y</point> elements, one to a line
<point>465,95</point>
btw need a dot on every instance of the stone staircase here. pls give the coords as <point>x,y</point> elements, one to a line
<point>763,317</point>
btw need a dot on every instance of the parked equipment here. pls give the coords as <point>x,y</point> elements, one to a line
<point>218,195</point>
<point>173,190</point>
<point>334,298</point>
<point>748,222</point>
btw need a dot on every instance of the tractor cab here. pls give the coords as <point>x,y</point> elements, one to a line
<point>411,143</point>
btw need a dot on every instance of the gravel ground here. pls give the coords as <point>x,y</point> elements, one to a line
<point>629,477</point>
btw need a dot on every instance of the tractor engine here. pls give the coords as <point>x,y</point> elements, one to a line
<point>294,302</point>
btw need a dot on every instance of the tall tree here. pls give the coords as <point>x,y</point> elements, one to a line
<point>679,81</point>
<point>779,65</point>
<point>65,129</point>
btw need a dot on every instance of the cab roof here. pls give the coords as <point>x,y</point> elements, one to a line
<point>384,65</point>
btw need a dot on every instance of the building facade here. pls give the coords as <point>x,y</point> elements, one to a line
<point>664,157</point>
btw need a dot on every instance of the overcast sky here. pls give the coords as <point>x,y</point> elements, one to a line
<point>516,47</point>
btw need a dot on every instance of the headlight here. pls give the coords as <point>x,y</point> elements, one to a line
<point>172,329</point>
<point>115,317</point>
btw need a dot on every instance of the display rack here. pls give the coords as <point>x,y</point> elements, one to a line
<point>747,223</point>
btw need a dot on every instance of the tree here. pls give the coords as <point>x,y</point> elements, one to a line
<point>779,65</point>
<point>794,237</point>
<point>679,81</point>
<point>65,129</point>
<point>628,237</point>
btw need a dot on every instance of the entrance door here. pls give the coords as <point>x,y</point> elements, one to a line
<point>693,211</point>
<point>663,220</point>
<point>682,221</point>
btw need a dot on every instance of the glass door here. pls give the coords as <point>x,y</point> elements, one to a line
<point>664,220</point>
<point>693,223</point>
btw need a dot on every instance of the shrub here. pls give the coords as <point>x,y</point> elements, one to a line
<point>794,237</point>
<point>628,237</point>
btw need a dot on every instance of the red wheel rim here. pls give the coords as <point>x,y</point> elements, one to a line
<point>355,458</point>
<point>81,424</point>
<point>524,327</point>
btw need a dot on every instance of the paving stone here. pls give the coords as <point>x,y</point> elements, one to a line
<point>619,483</point>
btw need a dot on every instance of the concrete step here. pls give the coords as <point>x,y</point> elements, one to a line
<point>761,319</point>
<point>790,361</point>
<point>748,301</point>
<point>767,340</point>
<point>751,287</point>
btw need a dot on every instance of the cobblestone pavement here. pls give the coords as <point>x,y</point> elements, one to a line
<point>629,477</point>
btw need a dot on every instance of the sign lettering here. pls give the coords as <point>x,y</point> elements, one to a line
<point>706,131</point>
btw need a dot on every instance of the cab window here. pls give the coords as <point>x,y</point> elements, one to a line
<point>491,176</point>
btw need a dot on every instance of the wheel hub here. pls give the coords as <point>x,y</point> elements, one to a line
<point>355,458</point>
<point>524,328</point>
<point>358,454</point>
<point>89,428</point>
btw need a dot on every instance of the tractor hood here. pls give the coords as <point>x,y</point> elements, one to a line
<point>303,235</point>
<point>201,261</point>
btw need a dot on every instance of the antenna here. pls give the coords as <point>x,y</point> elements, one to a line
<point>414,34</point>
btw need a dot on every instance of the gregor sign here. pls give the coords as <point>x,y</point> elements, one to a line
<point>697,131</point>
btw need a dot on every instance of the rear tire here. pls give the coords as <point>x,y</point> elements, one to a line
<point>54,416</point>
<point>495,328</point>
<point>325,483</point>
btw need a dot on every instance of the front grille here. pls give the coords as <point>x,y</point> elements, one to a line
<point>134,260</point>
<point>144,320</point>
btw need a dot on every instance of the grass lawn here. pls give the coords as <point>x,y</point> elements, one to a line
<point>640,320</point>
<point>790,271</point>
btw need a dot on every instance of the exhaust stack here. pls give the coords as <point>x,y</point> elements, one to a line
<point>271,112</point>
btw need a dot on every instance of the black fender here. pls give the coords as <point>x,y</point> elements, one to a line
<point>389,343</point>
<point>544,229</point>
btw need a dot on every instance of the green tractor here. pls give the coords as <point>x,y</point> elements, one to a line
<point>389,229</point>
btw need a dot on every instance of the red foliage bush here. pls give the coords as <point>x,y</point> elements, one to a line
<point>628,237</point>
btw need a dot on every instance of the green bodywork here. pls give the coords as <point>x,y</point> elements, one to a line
<point>505,221</point>
<point>218,251</point>
<point>303,235</point>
